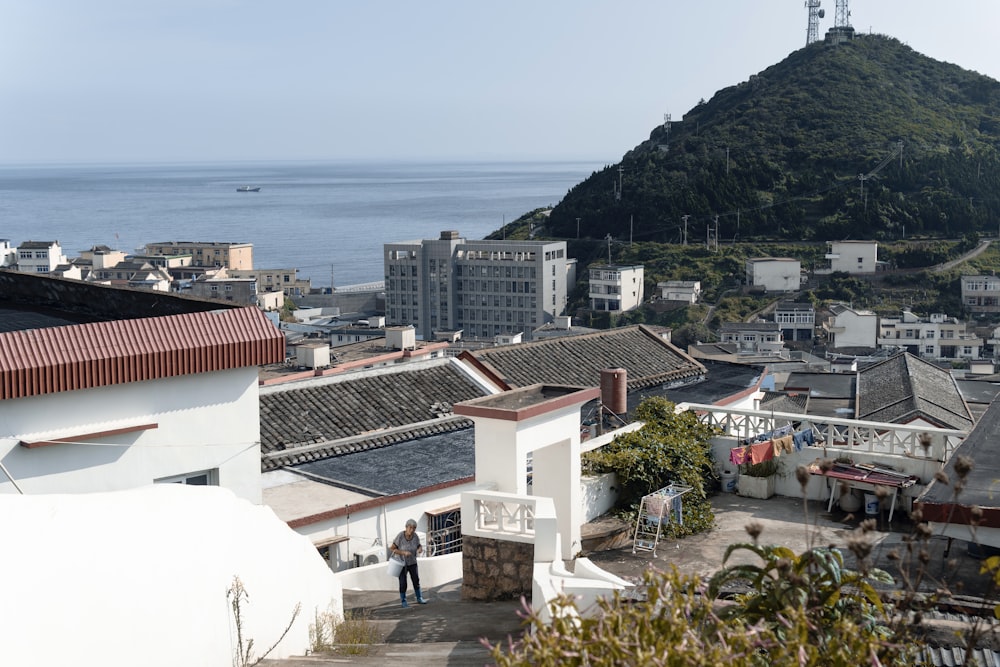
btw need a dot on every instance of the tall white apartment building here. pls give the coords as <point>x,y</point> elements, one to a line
<point>484,288</point>
<point>616,288</point>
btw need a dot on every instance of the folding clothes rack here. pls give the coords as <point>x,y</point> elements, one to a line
<point>653,510</point>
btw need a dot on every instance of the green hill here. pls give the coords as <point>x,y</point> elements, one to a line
<point>779,156</point>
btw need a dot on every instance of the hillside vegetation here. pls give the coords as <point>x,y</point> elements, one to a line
<point>779,156</point>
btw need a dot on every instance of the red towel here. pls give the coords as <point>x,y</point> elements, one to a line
<point>762,451</point>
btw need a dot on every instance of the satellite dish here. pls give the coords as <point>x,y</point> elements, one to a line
<point>822,13</point>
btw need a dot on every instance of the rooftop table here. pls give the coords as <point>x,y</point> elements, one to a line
<point>856,476</point>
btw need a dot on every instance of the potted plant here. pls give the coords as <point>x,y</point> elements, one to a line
<point>757,479</point>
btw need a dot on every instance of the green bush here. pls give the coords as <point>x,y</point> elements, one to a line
<point>669,448</point>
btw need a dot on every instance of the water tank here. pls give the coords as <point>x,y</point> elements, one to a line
<point>614,390</point>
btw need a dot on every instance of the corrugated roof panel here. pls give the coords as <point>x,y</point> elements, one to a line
<point>42,361</point>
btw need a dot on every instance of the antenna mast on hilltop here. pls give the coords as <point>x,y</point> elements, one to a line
<point>841,15</point>
<point>815,14</point>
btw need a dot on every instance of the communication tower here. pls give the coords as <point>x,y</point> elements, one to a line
<point>815,14</point>
<point>841,30</point>
<point>841,15</point>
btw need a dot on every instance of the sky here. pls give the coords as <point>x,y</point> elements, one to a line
<point>221,80</point>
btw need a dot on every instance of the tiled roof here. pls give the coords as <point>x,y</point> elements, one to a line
<point>905,387</point>
<point>350,413</point>
<point>83,356</point>
<point>778,401</point>
<point>940,501</point>
<point>577,361</point>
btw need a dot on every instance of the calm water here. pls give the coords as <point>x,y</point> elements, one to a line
<point>322,218</point>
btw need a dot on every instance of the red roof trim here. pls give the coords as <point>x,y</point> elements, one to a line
<point>72,439</point>
<point>44,361</point>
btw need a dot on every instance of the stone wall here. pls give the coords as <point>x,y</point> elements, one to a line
<point>496,569</point>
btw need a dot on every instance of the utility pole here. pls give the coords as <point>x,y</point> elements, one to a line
<point>685,219</point>
<point>578,228</point>
<point>608,238</point>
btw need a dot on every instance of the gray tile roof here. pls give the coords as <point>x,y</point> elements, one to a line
<point>361,411</point>
<point>408,466</point>
<point>777,401</point>
<point>578,360</point>
<point>905,387</point>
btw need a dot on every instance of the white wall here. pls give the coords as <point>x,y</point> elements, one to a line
<point>205,421</point>
<point>378,526</point>
<point>139,577</point>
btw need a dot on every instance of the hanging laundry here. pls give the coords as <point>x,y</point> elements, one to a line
<point>783,444</point>
<point>803,438</point>
<point>739,455</point>
<point>763,451</point>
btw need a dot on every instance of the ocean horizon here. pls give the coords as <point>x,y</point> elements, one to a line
<point>328,219</point>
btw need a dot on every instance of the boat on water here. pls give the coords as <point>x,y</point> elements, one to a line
<point>247,188</point>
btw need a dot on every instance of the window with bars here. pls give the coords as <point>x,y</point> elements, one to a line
<point>444,531</point>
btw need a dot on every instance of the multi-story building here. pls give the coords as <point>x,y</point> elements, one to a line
<point>485,288</point>
<point>207,253</point>
<point>39,256</point>
<point>238,290</point>
<point>850,328</point>
<point>936,337</point>
<point>752,337</point>
<point>797,320</point>
<point>981,294</point>
<point>269,280</point>
<point>856,257</point>
<point>616,289</point>
<point>774,274</point>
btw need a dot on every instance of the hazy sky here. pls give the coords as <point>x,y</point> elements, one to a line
<point>178,80</point>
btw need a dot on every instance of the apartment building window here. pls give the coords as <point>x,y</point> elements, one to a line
<point>930,334</point>
<point>967,350</point>
<point>41,269</point>
<point>929,349</point>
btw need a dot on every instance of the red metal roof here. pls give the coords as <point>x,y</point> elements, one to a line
<point>83,356</point>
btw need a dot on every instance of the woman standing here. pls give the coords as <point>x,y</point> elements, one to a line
<point>407,546</point>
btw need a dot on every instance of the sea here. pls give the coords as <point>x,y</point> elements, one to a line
<point>327,219</point>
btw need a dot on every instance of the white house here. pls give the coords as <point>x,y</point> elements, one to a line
<point>796,319</point>
<point>688,291</point>
<point>855,257</point>
<point>8,254</point>
<point>935,337</point>
<point>981,294</point>
<point>122,404</point>
<point>847,327</point>
<point>39,256</point>
<point>774,274</point>
<point>616,289</point>
<point>753,337</point>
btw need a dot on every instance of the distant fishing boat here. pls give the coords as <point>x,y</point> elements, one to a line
<point>247,188</point>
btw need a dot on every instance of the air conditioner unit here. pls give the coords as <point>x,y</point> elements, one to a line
<point>370,556</point>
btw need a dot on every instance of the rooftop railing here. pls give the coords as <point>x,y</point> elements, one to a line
<point>832,433</point>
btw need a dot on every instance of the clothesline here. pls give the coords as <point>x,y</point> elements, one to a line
<point>768,445</point>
